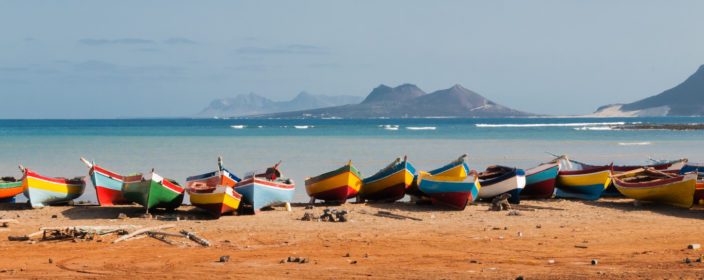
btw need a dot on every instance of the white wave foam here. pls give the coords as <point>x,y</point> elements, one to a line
<point>548,124</point>
<point>634,143</point>
<point>420,127</point>
<point>239,126</point>
<point>303,126</point>
<point>389,126</point>
<point>593,128</point>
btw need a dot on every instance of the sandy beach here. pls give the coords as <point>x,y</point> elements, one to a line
<point>627,240</point>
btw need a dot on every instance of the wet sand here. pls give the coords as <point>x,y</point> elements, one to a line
<point>628,241</point>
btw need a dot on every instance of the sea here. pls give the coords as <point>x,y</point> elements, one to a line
<point>178,148</point>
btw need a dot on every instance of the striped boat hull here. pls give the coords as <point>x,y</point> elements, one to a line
<point>511,182</point>
<point>108,186</point>
<point>450,190</point>
<point>8,190</point>
<point>337,185</point>
<point>457,169</point>
<point>43,191</point>
<point>389,185</point>
<point>261,193</point>
<point>152,191</point>
<point>583,184</point>
<point>678,191</point>
<point>213,192</point>
<point>540,181</point>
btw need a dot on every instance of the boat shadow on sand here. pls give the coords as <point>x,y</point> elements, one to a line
<point>409,206</point>
<point>114,212</point>
<point>629,205</point>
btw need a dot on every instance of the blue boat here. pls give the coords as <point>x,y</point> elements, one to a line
<point>452,191</point>
<point>265,189</point>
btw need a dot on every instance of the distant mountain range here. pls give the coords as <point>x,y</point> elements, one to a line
<point>252,104</point>
<point>686,99</point>
<point>406,101</point>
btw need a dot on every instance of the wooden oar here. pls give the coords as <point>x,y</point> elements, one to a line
<point>661,173</point>
<point>628,173</point>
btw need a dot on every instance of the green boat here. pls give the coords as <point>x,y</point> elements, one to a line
<point>9,187</point>
<point>152,191</point>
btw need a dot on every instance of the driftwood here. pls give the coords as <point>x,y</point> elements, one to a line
<point>24,237</point>
<point>141,231</point>
<point>533,207</point>
<point>387,214</point>
<point>99,230</point>
<point>194,237</point>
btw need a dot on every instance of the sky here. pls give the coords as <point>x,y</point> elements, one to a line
<point>133,59</point>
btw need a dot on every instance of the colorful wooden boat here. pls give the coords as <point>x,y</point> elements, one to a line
<point>336,185</point>
<point>9,187</point>
<point>583,182</point>
<point>540,181</point>
<point>497,180</point>
<point>43,191</point>
<point>457,168</point>
<point>699,190</point>
<point>652,185</point>
<point>390,183</point>
<point>108,185</point>
<point>452,191</point>
<point>152,191</point>
<point>265,189</point>
<point>618,169</point>
<point>214,191</point>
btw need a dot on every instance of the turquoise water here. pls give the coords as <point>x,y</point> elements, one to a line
<point>178,148</point>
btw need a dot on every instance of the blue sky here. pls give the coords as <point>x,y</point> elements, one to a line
<point>106,59</point>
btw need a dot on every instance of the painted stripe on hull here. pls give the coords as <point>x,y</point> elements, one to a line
<point>512,185</point>
<point>340,193</point>
<point>261,195</point>
<point>109,197</point>
<point>152,194</point>
<point>445,190</point>
<point>41,197</point>
<point>9,190</point>
<point>389,187</point>
<point>589,192</point>
<point>217,203</point>
<point>586,184</point>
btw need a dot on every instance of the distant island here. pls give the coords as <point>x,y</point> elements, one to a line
<point>253,104</point>
<point>404,101</point>
<point>686,99</point>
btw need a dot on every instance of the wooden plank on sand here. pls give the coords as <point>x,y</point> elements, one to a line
<point>138,232</point>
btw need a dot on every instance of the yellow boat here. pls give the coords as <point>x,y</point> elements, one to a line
<point>336,185</point>
<point>389,183</point>
<point>652,185</point>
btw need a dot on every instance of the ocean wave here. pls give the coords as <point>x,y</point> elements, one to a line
<point>420,127</point>
<point>389,126</point>
<point>548,124</point>
<point>634,143</point>
<point>238,126</point>
<point>594,128</point>
<point>303,126</point>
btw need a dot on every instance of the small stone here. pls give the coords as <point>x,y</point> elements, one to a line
<point>304,260</point>
<point>146,216</point>
<point>309,206</point>
<point>226,241</point>
<point>594,262</point>
<point>505,228</point>
<point>520,234</point>
<point>353,262</point>
<point>514,213</point>
<point>54,216</point>
<point>519,278</point>
<point>290,259</point>
<point>366,255</point>
<point>282,261</point>
<point>691,264</point>
<point>687,260</point>
<point>500,238</point>
<point>693,246</point>
<point>224,258</point>
<point>551,261</point>
<point>347,255</point>
<point>538,226</point>
<point>51,261</point>
<point>472,261</point>
<point>297,259</point>
<point>122,216</point>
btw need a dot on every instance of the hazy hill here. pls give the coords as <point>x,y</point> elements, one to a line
<point>685,99</point>
<point>253,104</point>
<point>409,101</point>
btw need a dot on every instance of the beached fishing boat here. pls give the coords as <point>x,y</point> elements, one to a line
<point>152,191</point>
<point>452,191</point>
<point>497,180</point>
<point>540,181</point>
<point>390,183</point>
<point>336,185</point>
<point>214,191</point>
<point>262,189</point>
<point>9,187</point>
<point>618,169</point>
<point>581,181</point>
<point>44,191</point>
<point>652,185</point>
<point>108,185</point>
<point>457,168</point>
<point>699,190</point>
